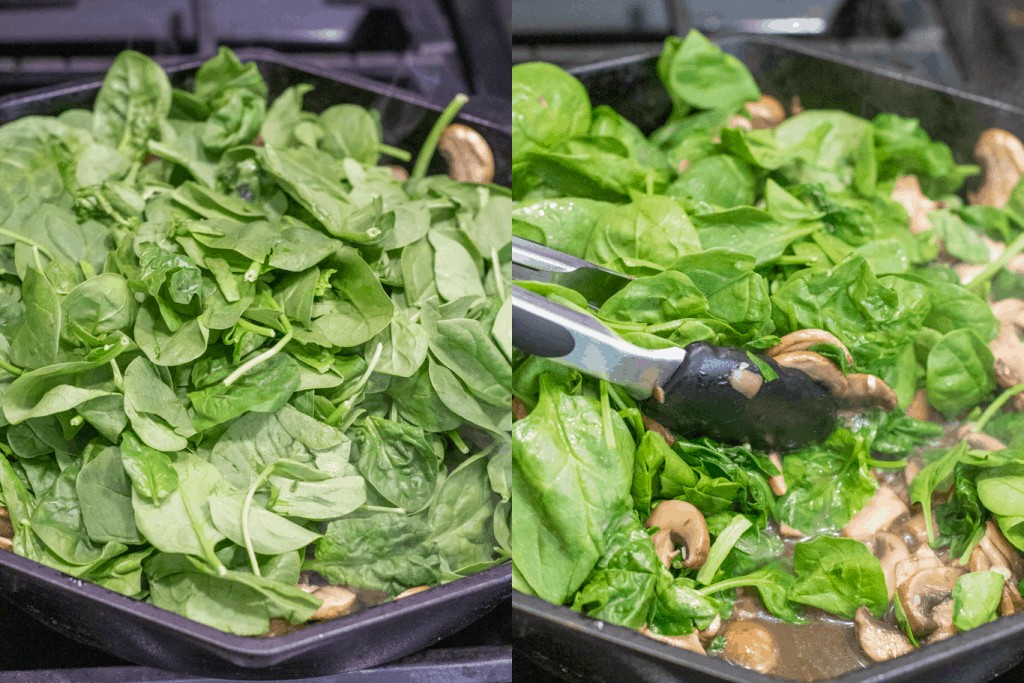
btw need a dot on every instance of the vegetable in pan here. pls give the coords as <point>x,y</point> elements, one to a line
<point>832,244</point>
<point>249,374</point>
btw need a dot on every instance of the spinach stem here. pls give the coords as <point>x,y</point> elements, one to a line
<point>256,329</point>
<point>118,377</point>
<point>606,417</point>
<point>246,507</point>
<point>430,145</point>
<point>25,240</point>
<point>886,464</point>
<point>10,369</point>
<point>458,441</point>
<point>721,548</point>
<point>395,152</point>
<point>263,357</point>
<point>204,542</point>
<point>381,508</point>
<point>252,273</point>
<point>994,407</point>
<point>346,402</point>
<point>35,257</point>
<point>992,269</point>
<point>499,281</point>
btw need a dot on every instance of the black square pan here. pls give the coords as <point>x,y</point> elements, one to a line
<point>145,634</point>
<point>579,648</point>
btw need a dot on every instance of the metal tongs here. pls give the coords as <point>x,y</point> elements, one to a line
<point>699,390</point>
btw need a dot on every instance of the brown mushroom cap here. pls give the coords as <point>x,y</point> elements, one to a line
<point>750,645</point>
<point>767,112</point>
<point>411,591</point>
<point>1011,602</point>
<point>691,641</point>
<point>469,157</point>
<point>923,593</point>
<point>1001,157</point>
<point>907,191</point>
<point>868,391</point>
<point>890,551</point>
<point>817,367</point>
<point>652,425</point>
<point>778,482</point>
<point>943,615</point>
<point>708,634</point>
<point>519,409</point>
<point>802,340</point>
<point>884,508</point>
<point>879,640</point>
<point>922,558</point>
<point>337,601</point>
<point>978,440</point>
<point>680,523</point>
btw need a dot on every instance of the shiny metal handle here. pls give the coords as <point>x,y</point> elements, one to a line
<point>544,328</point>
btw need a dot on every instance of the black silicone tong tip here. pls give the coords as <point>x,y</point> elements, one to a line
<point>700,399</point>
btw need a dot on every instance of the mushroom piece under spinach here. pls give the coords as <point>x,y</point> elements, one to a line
<point>923,598</point>
<point>680,523</point>
<point>879,640</point>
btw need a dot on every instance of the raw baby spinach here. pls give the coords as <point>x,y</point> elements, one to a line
<point>234,348</point>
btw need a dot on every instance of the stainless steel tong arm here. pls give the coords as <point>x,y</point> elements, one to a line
<point>544,328</point>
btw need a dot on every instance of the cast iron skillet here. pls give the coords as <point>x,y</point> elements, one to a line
<point>579,648</point>
<point>141,633</point>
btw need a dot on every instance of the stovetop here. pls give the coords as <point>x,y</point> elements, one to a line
<point>32,653</point>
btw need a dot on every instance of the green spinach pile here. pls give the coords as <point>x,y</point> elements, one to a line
<point>737,236</point>
<point>234,347</point>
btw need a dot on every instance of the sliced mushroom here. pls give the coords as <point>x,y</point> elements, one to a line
<point>279,627</point>
<point>879,640</point>
<point>469,157</point>
<point>778,482</point>
<point>943,615</point>
<point>979,440</point>
<point>884,508</point>
<point>740,121</point>
<point>751,645</point>
<point>922,595</point>
<point>920,409</point>
<point>907,191</point>
<point>1010,311</point>
<point>890,551</point>
<point>337,601</point>
<point>411,591</point>
<point>1000,553</point>
<point>767,112</point>
<point>745,381</point>
<point>519,409</point>
<point>913,528</point>
<point>680,523</point>
<point>795,105</point>
<point>708,634</point>
<point>911,470</point>
<point>652,425</point>
<point>802,340</point>
<point>922,558</point>
<point>398,173</point>
<point>1009,361</point>
<point>1011,602</point>
<point>1001,157</point>
<point>786,531</point>
<point>817,367</point>
<point>691,641</point>
<point>868,391</point>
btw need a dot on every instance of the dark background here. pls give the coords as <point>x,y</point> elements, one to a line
<point>977,45</point>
